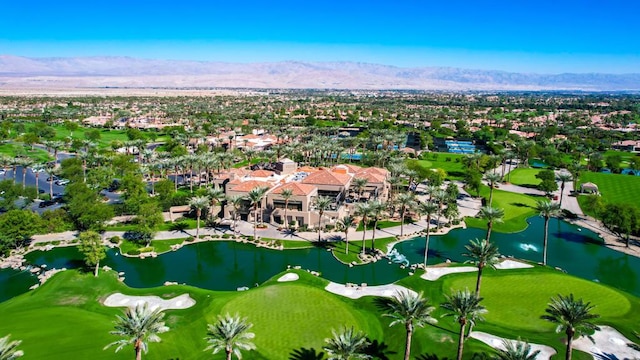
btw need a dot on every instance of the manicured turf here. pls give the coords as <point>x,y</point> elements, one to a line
<point>524,177</point>
<point>355,247</point>
<point>615,188</point>
<point>313,311</point>
<point>501,291</point>
<point>64,318</point>
<point>159,246</point>
<point>517,208</point>
<point>14,149</point>
<point>451,163</point>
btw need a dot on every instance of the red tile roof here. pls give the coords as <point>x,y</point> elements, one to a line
<point>298,189</point>
<point>325,177</point>
<point>246,186</point>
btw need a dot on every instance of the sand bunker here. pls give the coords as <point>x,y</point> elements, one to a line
<point>608,342</point>
<point>355,292</point>
<point>153,302</point>
<point>512,264</point>
<point>288,277</point>
<point>433,274</point>
<point>546,352</point>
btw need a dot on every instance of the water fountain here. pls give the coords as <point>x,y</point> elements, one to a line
<point>397,258</point>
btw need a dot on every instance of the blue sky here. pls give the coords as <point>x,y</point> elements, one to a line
<point>518,35</point>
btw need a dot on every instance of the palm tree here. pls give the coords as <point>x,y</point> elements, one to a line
<point>492,179</point>
<point>8,349</point>
<point>255,196</point>
<point>322,204</point>
<point>440,196</point>
<point>286,195</point>
<point>50,168</point>
<point>345,224</point>
<point>199,203</point>
<point>25,163</point>
<point>563,177</point>
<point>482,253</point>
<point>138,326</point>
<point>236,202</point>
<point>465,308</point>
<point>37,168</point>
<point>409,309</point>
<point>364,210</point>
<point>429,209</point>
<point>230,334</point>
<point>377,209</point>
<point>346,344</point>
<point>407,202</point>
<point>492,215</point>
<point>216,195</point>
<point>359,184</point>
<point>547,210</point>
<point>515,350</point>
<point>572,316</point>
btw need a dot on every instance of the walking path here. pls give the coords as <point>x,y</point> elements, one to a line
<point>467,205</point>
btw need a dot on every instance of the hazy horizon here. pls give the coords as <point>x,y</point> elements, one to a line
<point>545,37</point>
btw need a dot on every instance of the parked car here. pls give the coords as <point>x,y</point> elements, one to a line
<point>61,182</point>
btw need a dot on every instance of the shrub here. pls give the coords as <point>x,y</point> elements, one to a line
<point>190,239</point>
<point>115,240</point>
<point>226,236</point>
<point>138,236</point>
<point>133,252</point>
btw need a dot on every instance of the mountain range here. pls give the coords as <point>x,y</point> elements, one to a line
<point>126,72</point>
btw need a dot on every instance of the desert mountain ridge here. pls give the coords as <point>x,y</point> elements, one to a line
<point>105,71</point>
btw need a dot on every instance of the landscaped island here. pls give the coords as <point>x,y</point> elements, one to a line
<point>298,221</point>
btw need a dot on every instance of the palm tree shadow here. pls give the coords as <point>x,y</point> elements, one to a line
<point>605,356</point>
<point>577,238</point>
<point>306,354</point>
<point>334,238</point>
<point>378,350</point>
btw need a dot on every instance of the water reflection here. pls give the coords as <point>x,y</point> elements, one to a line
<point>230,265</point>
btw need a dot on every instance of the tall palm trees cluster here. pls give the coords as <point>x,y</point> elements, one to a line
<point>231,334</point>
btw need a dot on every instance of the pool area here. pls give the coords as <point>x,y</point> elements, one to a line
<point>460,147</point>
<point>230,265</point>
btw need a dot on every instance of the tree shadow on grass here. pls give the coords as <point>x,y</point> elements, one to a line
<point>306,354</point>
<point>520,205</point>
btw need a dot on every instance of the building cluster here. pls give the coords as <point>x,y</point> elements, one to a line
<point>305,184</point>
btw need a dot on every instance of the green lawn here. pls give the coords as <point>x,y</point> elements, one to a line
<point>159,246</point>
<point>167,226</point>
<point>313,311</point>
<point>65,319</point>
<point>106,135</point>
<point>517,208</point>
<point>451,163</point>
<point>355,247</point>
<point>615,188</point>
<point>524,177</point>
<point>13,150</point>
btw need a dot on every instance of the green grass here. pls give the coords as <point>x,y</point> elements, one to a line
<point>159,246</point>
<point>15,149</point>
<point>313,311</point>
<point>615,188</point>
<point>447,162</point>
<point>106,135</point>
<point>524,177</point>
<point>355,247</point>
<point>500,291</point>
<point>167,226</point>
<point>517,208</point>
<point>383,224</point>
<point>65,319</point>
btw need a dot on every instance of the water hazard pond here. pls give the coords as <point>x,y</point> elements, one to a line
<point>229,265</point>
